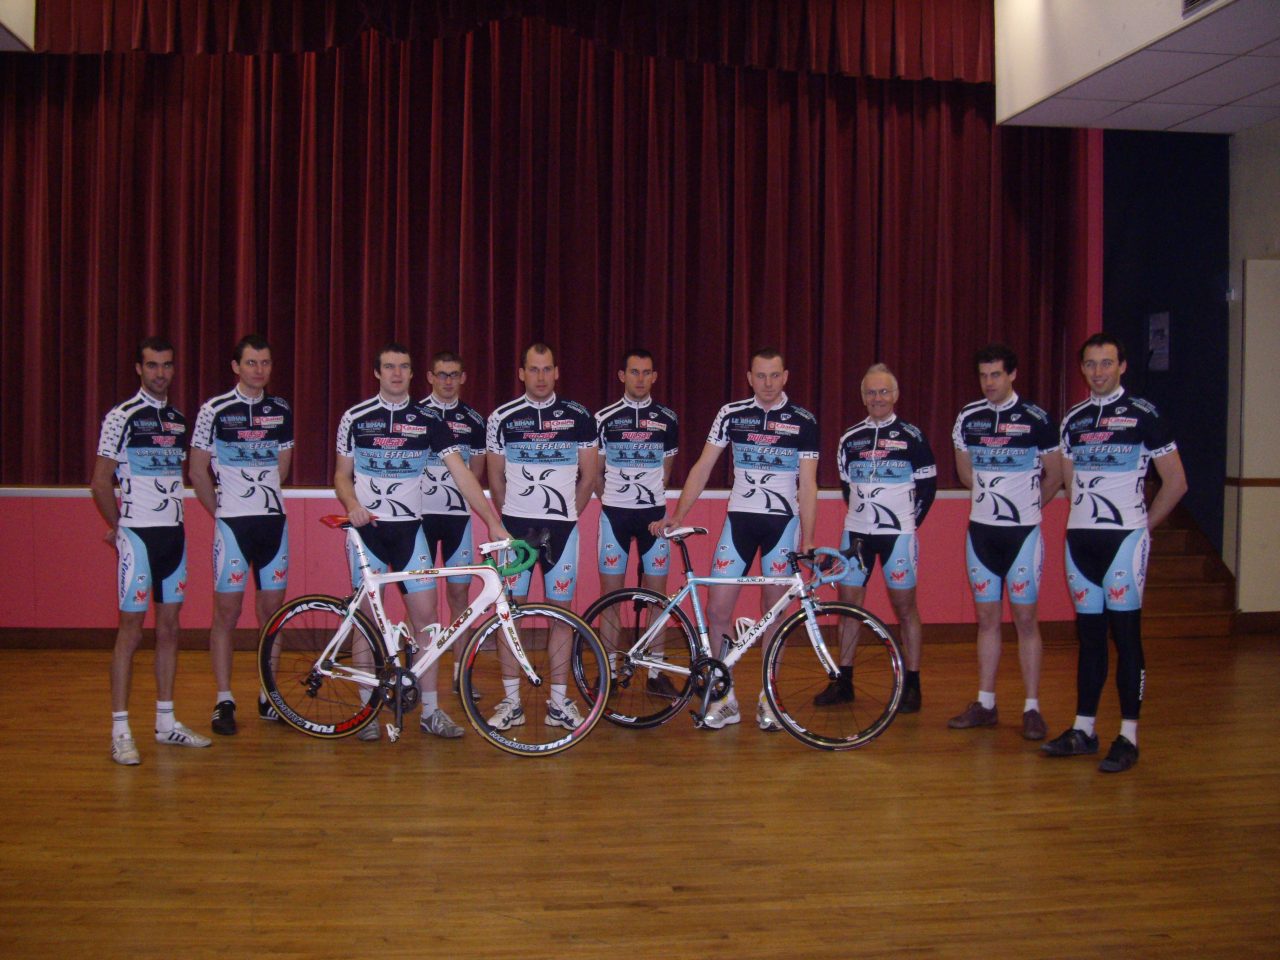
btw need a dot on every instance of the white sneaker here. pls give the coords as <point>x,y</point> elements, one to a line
<point>722,714</point>
<point>508,714</point>
<point>440,724</point>
<point>766,719</point>
<point>182,736</point>
<point>125,751</point>
<point>566,716</point>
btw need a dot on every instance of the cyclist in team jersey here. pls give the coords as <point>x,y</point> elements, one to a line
<point>241,450</point>
<point>383,446</point>
<point>142,445</point>
<point>638,439</point>
<point>446,521</point>
<point>888,470</point>
<point>542,467</point>
<point>774,503</point>
<point>1007,455</point>
<point>1108,441</point>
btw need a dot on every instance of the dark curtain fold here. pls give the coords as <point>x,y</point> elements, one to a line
<point>885,39</point>
<point>511,183</point>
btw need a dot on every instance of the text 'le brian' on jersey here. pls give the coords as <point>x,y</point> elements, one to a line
<point>1005,443</point>
<point>768,446</point>
<point>244,437</point>
<point>1110,442</point>
<point>636,438</point>
<point>540,441</point>
<point>440,495</point>
<point>389,444</point>
<point>891,474</point>
<point>148,440</point>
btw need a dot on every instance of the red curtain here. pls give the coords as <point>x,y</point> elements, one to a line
<point>512,182</point>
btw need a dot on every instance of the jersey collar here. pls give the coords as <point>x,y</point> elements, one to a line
<point>881,424</point>
<point>1007,405</point>
<point>783,400</point>
<point>439,404</point>
<point>243,398</point>
<point>151,401</point>
<point>388,405</point>
<point>637,404</point>
<point>540,404</point>
<point>1110,398</point>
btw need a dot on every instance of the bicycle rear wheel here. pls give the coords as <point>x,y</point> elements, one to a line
<point>642,696</point>
<point>289,650</point>
<point>794,677</point>
<point>528,722</point>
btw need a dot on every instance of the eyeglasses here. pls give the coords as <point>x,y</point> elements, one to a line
<point>882,392</point>
<point>447,375</point>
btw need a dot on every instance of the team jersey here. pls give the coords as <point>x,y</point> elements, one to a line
<point>439,493</point>
<point>390,444</point>
<point>540,441</point>
<point>1110,442</point>
<point>768,446</point>
<point>245,436</point>
<point>1005,444</point>
<point>891,474</point>
<point>148,441</point>
<point>636,438</point>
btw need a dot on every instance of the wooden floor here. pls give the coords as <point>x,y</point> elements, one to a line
<point>663,843</point>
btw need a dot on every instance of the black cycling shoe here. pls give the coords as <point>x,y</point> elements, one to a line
<point>910,702</point>
<point>1122,756</point>
<point>836,692</point>
<point>1071,743</point>
<point>224,718</point>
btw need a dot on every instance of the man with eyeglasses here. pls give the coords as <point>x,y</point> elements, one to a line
<point>446,521</point>
<point>889,476</point>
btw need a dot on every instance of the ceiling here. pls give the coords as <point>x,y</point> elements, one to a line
<point>1218,74</point>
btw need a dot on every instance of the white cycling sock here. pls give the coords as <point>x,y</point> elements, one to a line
<point>1085,724</point>
<point>1129,730</point>
<point>987,698</point>
<point>120,724</point>
<point>1031,703</point>
<point>511,687</point>
<point>226,695</point>
<point>164,716</point>
<point>430,704</point>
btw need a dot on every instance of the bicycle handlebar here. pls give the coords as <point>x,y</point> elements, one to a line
<point>837,571</point>
<point>526,557</point>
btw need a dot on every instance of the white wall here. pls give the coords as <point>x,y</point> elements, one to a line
<point>1043,46</point>
<point>19,18</point>
<point>1251,534</point>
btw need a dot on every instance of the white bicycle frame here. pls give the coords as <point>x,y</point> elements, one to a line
<point>437,640</point>
<point>797,588</point>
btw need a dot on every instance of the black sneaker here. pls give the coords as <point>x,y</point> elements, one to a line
<point>837,691</point>
<point>1071,743</point>
<point>267,712</point>
<point>910,702</point>
<point>1122,756</point>
<point>224,718</point>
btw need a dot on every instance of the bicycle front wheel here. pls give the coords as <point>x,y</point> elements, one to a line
<point>302,688</point>
<point>506,708</point>
<point>800,691</point>
<point>650,693</point>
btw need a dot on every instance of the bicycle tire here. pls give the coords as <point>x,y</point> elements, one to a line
<point>288,650</point>
<point>482,674</point>
<point>791,682</point>
<point>633,701</point>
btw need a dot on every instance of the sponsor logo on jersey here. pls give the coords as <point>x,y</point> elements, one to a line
<point>980,586</point>
<point>522,424</point>
<point>1119,423</point>
<point>636,436</point>
<point>388,441</point>
<point>251,434</point>
<point>458,427</point>
<point>170,426</point>
<point>563,585</point>
<point>368,426</point>
<point>1015,428</point>
<point>1079,595</point>
<point>233,419</point>
<point>762,439</point>
<point>409,429</point>
<point>659,562</point>
<point>540,436</point>
<point>557,424</point>
<point>893,444</point>
<point>612,560</point>
<point>1099,436</point>
<point>897,576</point>
<point>778,566</point>
<point>163,441</point>
<point>723,564</point>
<point>785,427</point>
<point>994,441</point>
<point>653,424</point>
<point>276,421</point>
<point>1118,593</point>
<point>1019,587</point>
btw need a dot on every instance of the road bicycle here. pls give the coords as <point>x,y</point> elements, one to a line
<point>649,636</point>
<point>328,667</point>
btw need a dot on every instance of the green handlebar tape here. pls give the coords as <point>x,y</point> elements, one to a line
<point>526,557</point>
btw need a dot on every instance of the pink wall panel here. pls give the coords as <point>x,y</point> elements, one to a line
<point>63,578</point>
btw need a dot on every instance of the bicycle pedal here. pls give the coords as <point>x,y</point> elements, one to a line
<point>393,732</point>
<point>698,722</point>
